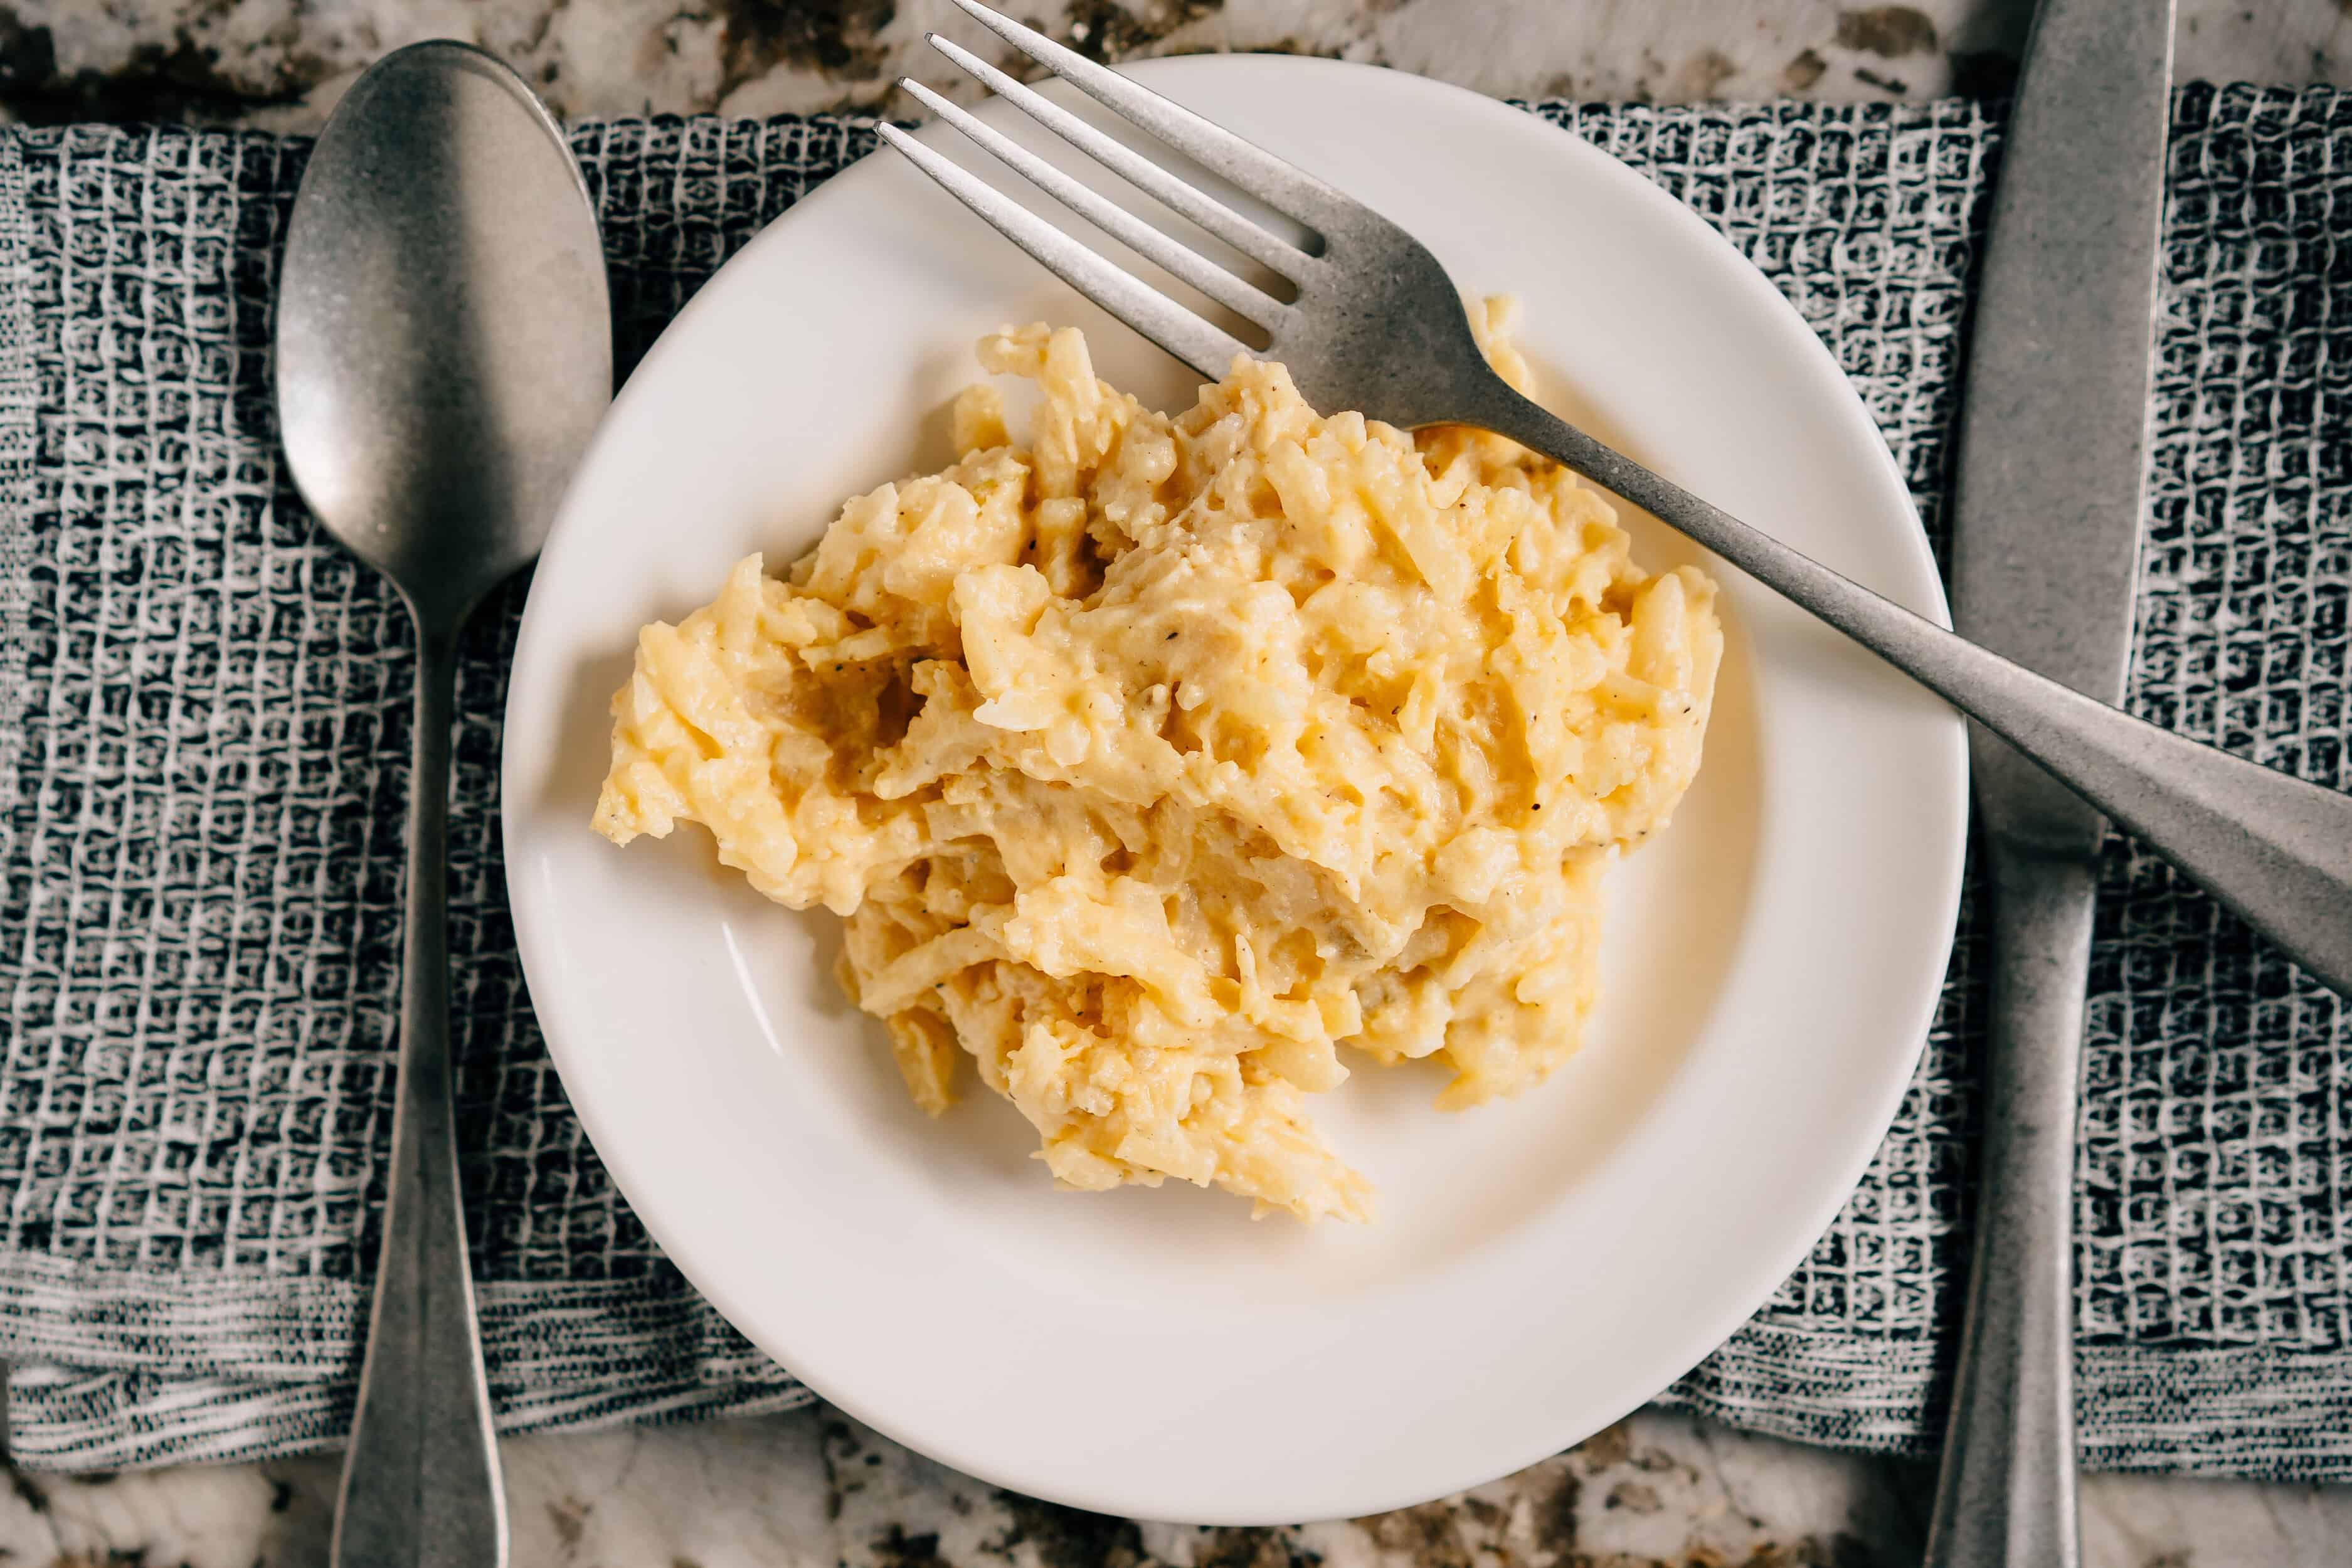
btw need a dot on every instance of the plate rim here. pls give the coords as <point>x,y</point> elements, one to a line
<point>614,1147</point>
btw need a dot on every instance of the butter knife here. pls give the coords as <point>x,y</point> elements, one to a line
<point>2045,562</point>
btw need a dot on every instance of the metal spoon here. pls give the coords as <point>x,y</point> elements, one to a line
<point>443,353</point>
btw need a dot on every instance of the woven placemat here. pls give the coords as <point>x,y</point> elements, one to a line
<point>203,707</point>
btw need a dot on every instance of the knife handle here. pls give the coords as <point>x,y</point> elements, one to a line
<point>2007,1491</point>
<point>2273,848</point>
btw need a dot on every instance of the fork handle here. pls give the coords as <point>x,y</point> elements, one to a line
<point>2274,848</point>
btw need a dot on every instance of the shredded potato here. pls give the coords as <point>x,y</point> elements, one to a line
<point>1154,762</point>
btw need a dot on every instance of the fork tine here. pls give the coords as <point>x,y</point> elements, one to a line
<point>1140,236</point>
<point>1170,191</point>
<point>1207,348</point>
<point>1281,185</point>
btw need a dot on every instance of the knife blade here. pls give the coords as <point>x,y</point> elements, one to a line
<point>2049,490</point>
<point>2053,452</point>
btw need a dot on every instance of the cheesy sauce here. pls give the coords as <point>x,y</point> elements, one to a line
<point>1165,768</point>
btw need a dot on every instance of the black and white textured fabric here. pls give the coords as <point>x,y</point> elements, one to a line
<point>202,703</point>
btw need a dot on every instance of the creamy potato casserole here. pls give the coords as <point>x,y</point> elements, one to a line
<point>1165,767</point>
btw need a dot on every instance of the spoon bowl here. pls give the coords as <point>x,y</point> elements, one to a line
<point>444,341</point>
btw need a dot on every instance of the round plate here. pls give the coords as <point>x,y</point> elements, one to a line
<point>1538,1269</point>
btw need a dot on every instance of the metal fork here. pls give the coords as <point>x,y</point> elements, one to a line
<point>1378,327</point>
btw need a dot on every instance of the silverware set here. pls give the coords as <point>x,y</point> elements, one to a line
<point>443,354</point>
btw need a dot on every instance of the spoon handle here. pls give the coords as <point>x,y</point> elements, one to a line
<point>421,1486</point>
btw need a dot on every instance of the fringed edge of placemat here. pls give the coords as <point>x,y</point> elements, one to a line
<point>70,1421</point>
<point>18,398</point>
<point>117,1369</point>
<point>198,1372</point>
<point>2242,1411</point>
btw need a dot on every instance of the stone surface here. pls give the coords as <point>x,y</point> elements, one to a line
<point>282,63</point>
<point>813,1488</point>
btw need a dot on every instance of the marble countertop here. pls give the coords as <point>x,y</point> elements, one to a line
<point>813,1488</point>
<point>281,64</point>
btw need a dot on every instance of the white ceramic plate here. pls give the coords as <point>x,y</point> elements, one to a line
<point>1538,1269</point>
